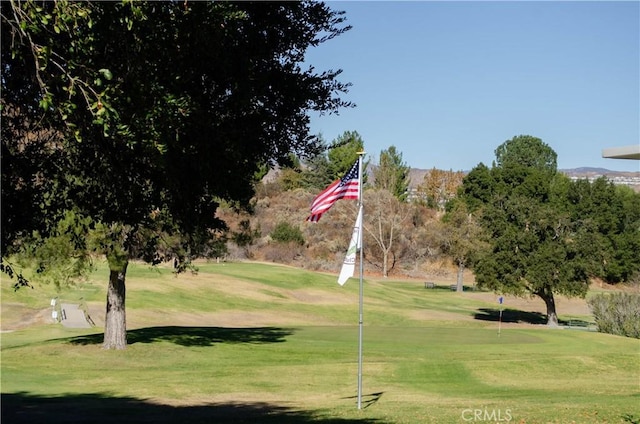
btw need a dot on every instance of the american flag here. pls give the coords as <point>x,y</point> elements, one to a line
<point>346,187</point>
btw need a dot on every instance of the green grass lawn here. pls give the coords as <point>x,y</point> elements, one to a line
<point>194,358</point>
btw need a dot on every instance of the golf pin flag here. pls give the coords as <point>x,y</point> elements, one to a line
<point>349,264</point>
<point>500,300</point>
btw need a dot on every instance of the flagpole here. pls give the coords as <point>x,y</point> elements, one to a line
<point>361,308</point>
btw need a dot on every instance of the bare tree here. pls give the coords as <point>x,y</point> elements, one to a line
<point>384,220</point>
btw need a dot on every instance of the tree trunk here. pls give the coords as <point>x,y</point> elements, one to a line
<point>552,316</point>
<point>115,323</point>
<point>459,285</point>
<point>385,258</point>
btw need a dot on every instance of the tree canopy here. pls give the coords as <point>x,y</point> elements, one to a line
<point>142,115</point>
<point>392,173</point>
<point>527,151</point>
<point>534,247</point>
<point>438,187</point>
<point>343,152</point>
<point>547,234</point>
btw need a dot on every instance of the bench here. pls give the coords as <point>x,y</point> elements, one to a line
<point>429,285</point>
<point>579,324</point>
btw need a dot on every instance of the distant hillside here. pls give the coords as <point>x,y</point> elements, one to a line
<point>587,172</point>
<point>631,179</point>
<point>416,175</point>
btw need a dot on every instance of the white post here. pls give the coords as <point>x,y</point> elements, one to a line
<point>361,308</point>
<point>501,299</point>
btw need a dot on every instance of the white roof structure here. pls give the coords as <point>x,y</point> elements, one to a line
<point>625,152</point>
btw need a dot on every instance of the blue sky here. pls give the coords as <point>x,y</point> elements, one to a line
<point>448,82</point>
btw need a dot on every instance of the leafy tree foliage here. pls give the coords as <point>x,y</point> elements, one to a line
<point>246,235</point>
<point>63,255</point>
<point>318,173</point>
<point>613,213</point>
<point>392,174</point>
<point>535,247</point>
<point>439,186</point>
<point>462,238</point>
<point>343,152</point>
<point>291,174</point>
<point>142,115</point>
<point>477,187</point>
<point>332,162</point>
<point>527,151</point>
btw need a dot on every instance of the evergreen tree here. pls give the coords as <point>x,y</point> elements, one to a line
<point>392,174</point>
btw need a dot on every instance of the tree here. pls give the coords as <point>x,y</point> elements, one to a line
<point>462,238</point>
<point>477,187</point>
<point>158,111</point>
<point>534,245</point>
<point>384,219</point>
<point>343,152</point>
<point>392,174</point>
<point>291,176</point>
<point>527,151</point>
<point>626,242</point>
<point>423,235</point>
<point>535,249</point>
<point>439,186</point>
<point>614,213</point>
<point>333,161</point>
<point>318,173</point>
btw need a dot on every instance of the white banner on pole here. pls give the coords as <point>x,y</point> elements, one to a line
<point>349,264</point>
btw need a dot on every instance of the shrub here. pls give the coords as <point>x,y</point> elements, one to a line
<point>287,233</point>
<point>617,313</point>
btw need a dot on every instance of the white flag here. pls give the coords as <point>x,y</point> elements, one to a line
<point>349,265</point>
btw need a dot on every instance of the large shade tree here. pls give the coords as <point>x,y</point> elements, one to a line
<point>534,247</point>
<point>132,120</point>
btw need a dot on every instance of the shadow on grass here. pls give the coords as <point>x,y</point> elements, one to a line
<point>18,408</point>
<point>510,315</point>
<point>368,400</point>
<point>516,316</point>
<point>195,336</point>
